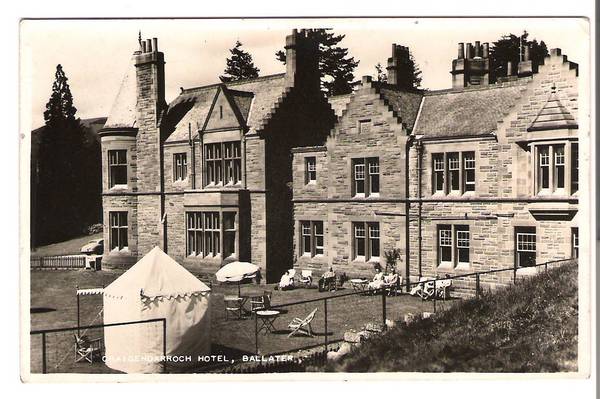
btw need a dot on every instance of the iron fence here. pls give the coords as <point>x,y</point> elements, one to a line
<point>58,262</point>
<point>80,349</point>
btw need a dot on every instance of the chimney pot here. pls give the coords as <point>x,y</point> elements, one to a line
<point>486,50</point>
<point>469,54</point>
<point>149,45</point>
<point>155,44</point>
<point>527,49</point>
<point>143,46</point>
<point>461,51</point>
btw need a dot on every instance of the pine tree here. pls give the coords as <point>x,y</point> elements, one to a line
<point>239,65</point>
<point>66,173</point>
<point>412,78</point>
<point>508,48</point>
<point>336,67</point>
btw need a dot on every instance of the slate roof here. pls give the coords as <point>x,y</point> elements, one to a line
<point>406,104</point>
<point>553,115</point>
<point>122,113</point>
<point>254,98</point>
<point>468,112</point>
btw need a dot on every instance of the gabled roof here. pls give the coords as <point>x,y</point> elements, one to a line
<point>468,112</point>
<point>254,99</point>
<point>122,114</point>
<point>553,115</point>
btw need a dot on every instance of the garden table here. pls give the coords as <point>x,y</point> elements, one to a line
<point>359,284</point>
<point>267,318</point>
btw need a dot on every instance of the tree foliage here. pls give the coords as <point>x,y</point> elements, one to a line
<point>239,65</point>
<point>335,65</point>
<point>508,48</point>
<point>66,171</point>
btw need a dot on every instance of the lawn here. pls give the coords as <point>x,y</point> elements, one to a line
<point>529,327</point>
<point>70,247</point>
<point>53,305</point>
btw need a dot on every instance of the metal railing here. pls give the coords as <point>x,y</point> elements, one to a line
<point>45,332</point>
<point>58,262</point>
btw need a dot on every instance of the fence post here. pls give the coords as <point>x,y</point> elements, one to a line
<point>41,261</point>
<point>383,308</point>
<point>44,353</point>
<point>78,318</point>
<point>515,274</point>
<point>434,295</point>
<point>546,266</point>
<point>326,331</point>
<point>255,334</point>
<point>164,326</point>
<point>477,286</point>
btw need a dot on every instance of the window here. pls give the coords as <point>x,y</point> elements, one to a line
<point>365,172</point>
<point>438,172</point>
<point>223,163</point>
<point>229,234</point>
<point>117,165</point>
<point>453,245</point>
<point>204,233</point>
<point>575,242</point>
<point>179,166</point>
<point>559,167</point>
<point>469,171</point>
<point>574,168</point>
<point>453,172</point>
<point>554,168</point>
<point>312,238</point>
<point>118,230</point>
<point>366,241</point>
<point>310,167</point>
<point>525,246</point>
<point>445,243</point>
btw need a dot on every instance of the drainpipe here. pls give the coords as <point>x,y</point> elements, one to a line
<point>419,148</point>
<point>192,156</point>
<point>407,212</point>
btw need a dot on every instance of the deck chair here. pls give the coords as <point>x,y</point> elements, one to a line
<point>233,305</point>
<point>306,278</point>
<point>87,349</point>
<point>428,291</point>
<point>292,274</point>
<point>302,326</point>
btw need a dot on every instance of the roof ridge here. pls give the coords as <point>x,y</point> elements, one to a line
<point>235,83</point>
<point>504,85</point>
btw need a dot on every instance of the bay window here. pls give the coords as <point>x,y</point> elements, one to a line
<point>117,166</point>
<point>211,234</point>
<point>556,168</point>
<point>118,230</point>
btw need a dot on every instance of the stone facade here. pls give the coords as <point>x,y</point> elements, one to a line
<point>505,127</point>
<point>217,154</point>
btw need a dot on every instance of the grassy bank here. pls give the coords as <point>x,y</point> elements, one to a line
<point>530,327</point>
<point>70,247</point>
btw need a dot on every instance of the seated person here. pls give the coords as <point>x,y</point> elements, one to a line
<point>327,280</point>
<point>286,281</point>
<point>391,279</point>
<point>378,280</point>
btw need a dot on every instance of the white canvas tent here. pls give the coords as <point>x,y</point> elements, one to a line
<point>156,287</point>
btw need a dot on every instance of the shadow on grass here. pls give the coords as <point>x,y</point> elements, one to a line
<point>41,310</point>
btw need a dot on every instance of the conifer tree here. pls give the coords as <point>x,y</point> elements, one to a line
<point>509,48</point>
<point>239,65</point>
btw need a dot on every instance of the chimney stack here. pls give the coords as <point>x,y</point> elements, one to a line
<point>398,67</point>
<point>472,69</point>
<point>302,64</point>
<point>525,67</point>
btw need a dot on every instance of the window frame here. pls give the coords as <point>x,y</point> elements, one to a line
<point>575,242</point>
<point>122,238</point>
<point>180,166</point>
<point>450,167</point>
<point>309,233</point>
<point>210,233</point>
<point>522,232</point>
<point>368,229</point>
<point>559,160</point>
<point>113,166</point>
<point>223,164</point>
<point>310,170</point>
<point>369,174</point>
<point>448,238</point>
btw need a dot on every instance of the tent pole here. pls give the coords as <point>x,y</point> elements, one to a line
<point>239,290</point>
<point>77,295</point>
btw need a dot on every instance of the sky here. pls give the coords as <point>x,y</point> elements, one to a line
<point>95,53</point>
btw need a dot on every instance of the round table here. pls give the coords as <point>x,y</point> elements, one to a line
<point>267,318</point>
<point>359,284</point>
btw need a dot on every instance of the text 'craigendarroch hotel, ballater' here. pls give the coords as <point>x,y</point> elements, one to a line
<point>477,177</point>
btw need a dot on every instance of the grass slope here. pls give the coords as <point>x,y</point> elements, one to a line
<point>530,327</point>
<point>70,247</point>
